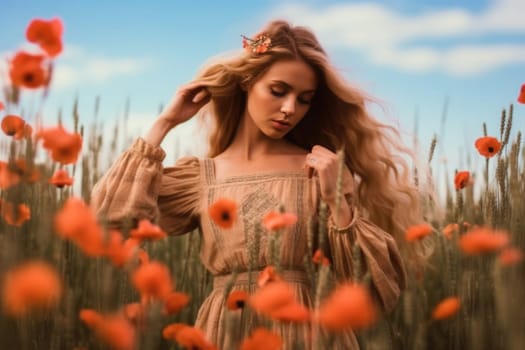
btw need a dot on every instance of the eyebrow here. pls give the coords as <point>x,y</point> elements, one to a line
<point>291,87</point>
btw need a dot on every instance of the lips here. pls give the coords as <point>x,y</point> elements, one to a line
<point>280,124</point>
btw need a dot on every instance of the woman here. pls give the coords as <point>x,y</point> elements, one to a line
<point>280,113</point>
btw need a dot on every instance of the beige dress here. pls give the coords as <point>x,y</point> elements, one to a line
<point>178,197</point>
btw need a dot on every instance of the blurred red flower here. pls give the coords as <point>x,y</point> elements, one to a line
<point>521,96</point>
<point>417,232</point>
<point>13,125</point>
<point>482,240</point>
<point>27,71</point>
<point>262,339</point>
<point>118,251</point>
<point>349,306</point>
<point>223,212</point>
<point>147,231</point>
<point>63,146</point>
<point>12,216</point>
<point>268,274</point>
<point>488,146</point>
<point>61,178</point>
<point>446,308</point>
<point>31,286</point>
<point>462,179</point>
<point>236,300</point>
<point>113,330</point>
<point>510,256</point>
<point>449,230</point>
<point>275,220</point>
<point>153,280</point>
<point>47,34</point>
<point>175,301</point>
<point>320,259</point>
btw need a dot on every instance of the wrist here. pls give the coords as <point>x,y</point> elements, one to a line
<point>341,216</point>
<point>158,131</point>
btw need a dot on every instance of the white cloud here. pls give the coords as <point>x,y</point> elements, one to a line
<point>76,67</point>
<point>391,38</point>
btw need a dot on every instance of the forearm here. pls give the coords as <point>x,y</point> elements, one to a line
<point>158,131</point>
<point>342,217</point>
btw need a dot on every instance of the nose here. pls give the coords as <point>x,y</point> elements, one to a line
<point>288,106</point>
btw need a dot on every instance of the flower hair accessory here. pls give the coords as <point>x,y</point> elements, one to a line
<point>260,44</point>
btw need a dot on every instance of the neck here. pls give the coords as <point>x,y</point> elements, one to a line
<point>249,143</point>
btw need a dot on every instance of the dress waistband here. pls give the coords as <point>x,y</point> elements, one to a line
<point>243,278</point>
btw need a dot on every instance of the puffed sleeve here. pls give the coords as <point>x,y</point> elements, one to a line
<point>382,259</point>
<point>138,187</point>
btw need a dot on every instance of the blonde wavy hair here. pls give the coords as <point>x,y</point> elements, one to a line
<point>337,119</point>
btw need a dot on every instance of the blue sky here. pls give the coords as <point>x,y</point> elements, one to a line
<point>412,55</point>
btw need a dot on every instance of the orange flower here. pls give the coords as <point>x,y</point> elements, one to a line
<point>446,308</point>
<point>268,275</point>
<point>262,339</point>
<point>462,179</point>
<point>275,220</point>
<point>134,312</point>
<point>510,256</point>
<point>13,125</point>
<point>1,106</point>
<point>488,146</point>
<point>236,300</point>
<point>76,221</point>
<point>320,259</point>
<point>119,252</point>
<point>30,286</point>
<point>153,280</point>
<point>47,34</point>
<point>8,178</point>
<point>171,330</point>
<point>15,218</point>
<point>272,297</point>
<point>521,96</point>
<point>193,338</point>
<point>483,240</point>
<point>292,312</point>
<point>28,173</point>
<point>26,70</point>
<point>114,330</point>
<point>349,306</point>
<point>63,146</point>
<point>417,232</point>
<point>223,212</point>
<point>175,301</point>
<point>61,178</point>
<point>449,230</point>
<point>147,231</point>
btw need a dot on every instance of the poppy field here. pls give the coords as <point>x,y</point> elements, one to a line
<point>69,281</point>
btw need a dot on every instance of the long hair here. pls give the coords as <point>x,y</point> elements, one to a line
<point>337,119</point>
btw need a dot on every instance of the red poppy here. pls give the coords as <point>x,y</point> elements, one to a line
<point>510,256</point>
<point>462,179</point>
<point>77,222</point>
<point>8,178</point>
<point>271,297</point>
<point>268,274</point>
<point>63,146</point>
<point>483,240</point>
<point>521,96</point>
<point>236,300</point>
<point>262,339</point>
<point>417,232</point>
<point>47,34</point>
<point>114,330</point>
<point>446,308</point>
<point>120,252</point>
<point>320,259</point>
<point>13,125</point>
<point>292,312</point>
<point>175,301</point>
<point>15,217</point>
<point>275,220</point>
<point>223,212</point>
<point>171,330</point>
<point>147,231</point>
<point>193,338</point>
<point>153,280</point>
<point>31,286</point>
<point>1,106</point>
<point>134,312</point>
<point>27,71</point>
<point>28,173</point>
<point>449,230</point>
<point>349,306</point>
<point>61,178</point>
<point>488,146</point>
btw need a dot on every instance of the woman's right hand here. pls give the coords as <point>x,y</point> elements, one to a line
<point>188,100</point>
